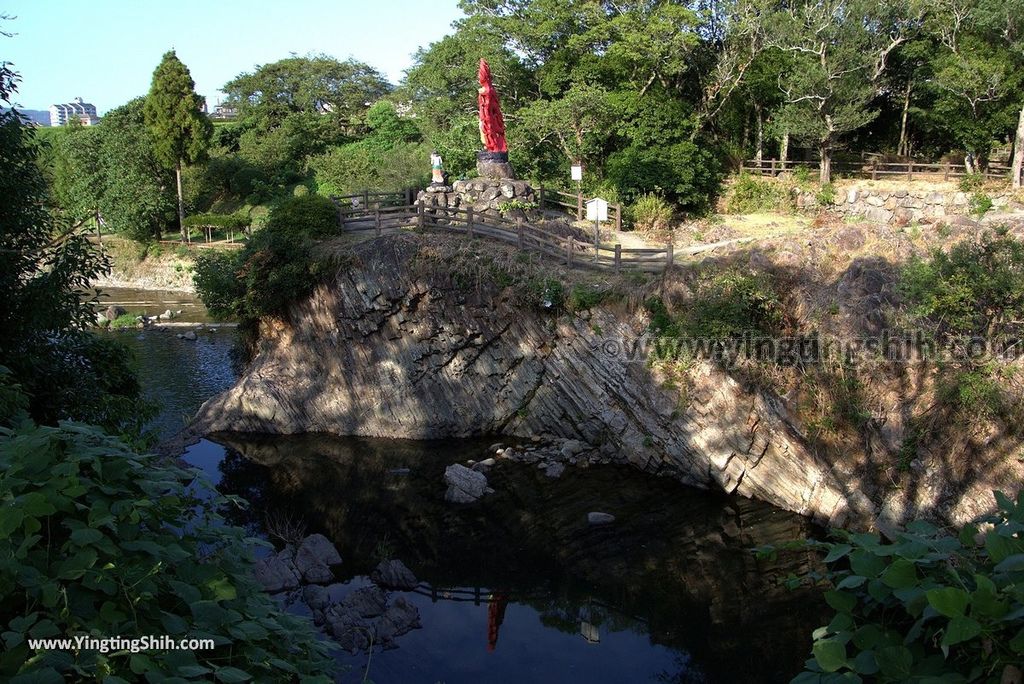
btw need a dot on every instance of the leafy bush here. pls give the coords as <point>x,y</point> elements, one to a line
<point>684,173</point>
<point>583,297</point>
<point>651,212</point>
<point>357,166</point>
<point>98,540</point>
<point>731,303</point>
<point>310,215</point>
<point>972,182</point>
<point>980,204</point>
<point>750,195</point>
<point>926,606</point>
<point>513,205</point>
<point>225,221</point>
<point>826,194</point>
<point>977,289</point>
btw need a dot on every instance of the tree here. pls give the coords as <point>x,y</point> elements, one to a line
<point>173,112</point>
<point>840,49</point>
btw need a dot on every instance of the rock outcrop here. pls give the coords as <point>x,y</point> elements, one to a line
<point>395,349</point>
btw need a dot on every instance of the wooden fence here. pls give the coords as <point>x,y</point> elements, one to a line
<point>875,169</point>
<point>574,203</point>
<point>571,250</point>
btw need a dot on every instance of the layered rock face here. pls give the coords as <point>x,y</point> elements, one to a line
<point>382,352</point>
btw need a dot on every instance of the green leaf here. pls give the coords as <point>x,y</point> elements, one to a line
<point>895,662</point>
<point>1017,642</point>
<point>949,601</point>
<point>1014,563</point>
<point>44,676</point>
<point>75,566</point>
<point>866,564</point>
<point>830,654</point>
<point>36,504</point>
<point>222,589</point>
<point>86,536</point>
<point>232,674</point>
<point>961,629</point>
<point>900,575</point>
<point>851,582</point>
<point>836,552</point>
<point>10,520</point>
<point>865,663</point>
<point>840,601</point>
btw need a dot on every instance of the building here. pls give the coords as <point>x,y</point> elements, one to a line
<point>61,114</point>
<point>223,112</point>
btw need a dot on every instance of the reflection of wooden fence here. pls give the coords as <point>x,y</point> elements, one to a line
<point>876,169</point>
<point>572,250</point>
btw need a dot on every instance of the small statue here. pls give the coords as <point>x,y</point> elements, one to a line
<point>492,123</point>
<point>436,169</point>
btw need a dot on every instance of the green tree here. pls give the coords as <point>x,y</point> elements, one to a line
<point>173,111</point>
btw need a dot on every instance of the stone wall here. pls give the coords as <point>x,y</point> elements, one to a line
<point>899,206</point>
<point>484,195</point>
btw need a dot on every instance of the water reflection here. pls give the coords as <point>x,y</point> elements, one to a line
<point>155,302</point>
<point>518,587</point>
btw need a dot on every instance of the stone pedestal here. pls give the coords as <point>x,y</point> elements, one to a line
<point>486,196</point>
<point>493,165</point>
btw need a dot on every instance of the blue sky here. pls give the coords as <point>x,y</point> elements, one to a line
<point>105,50</point>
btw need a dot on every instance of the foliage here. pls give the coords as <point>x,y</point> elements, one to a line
<point>584,297</point>
<point>44,267</point>
<point>685,173</point>
<point>731,302</point>
<point>310,215</point>
<point>173,111</point>
<point>359,166</point>
<point>99,540</point>
<point>749,195</point>
<point>972,182</point>
<point>976,289</point>
<point>826,194</point>
<point>651,212</point>
<point>980,204</point>
<point>925,606</point>
<point>516,204</point>
<point>225,221</point>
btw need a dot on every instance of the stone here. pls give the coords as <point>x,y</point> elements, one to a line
<point>166,315</point>
<point>484,465</point>
<point>190,336</point>
<point>598,518</point>
<point>314,557</point>
<point>114,312</point>
<point>571,447</point>
<point>494,169</point>
<point>554,470</point>
<point>393,574</point>
<point>464,485</point>
<point>403,617</point>
<point>316,597</point>
<point>367,602</point>
<point>850,238</point>
<point>277,573</point>
<point>874,200</point>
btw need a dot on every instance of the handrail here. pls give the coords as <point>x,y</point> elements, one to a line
<point>872,168</point>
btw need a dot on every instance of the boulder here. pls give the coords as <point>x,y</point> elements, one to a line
<point>464,485</point>
<point>554,470</point>
<point>114,312</point>
<point>393,574</point>
<point>314,557</point>
<point>598,518</point>
<point>190,336</point>
<point>277,572</point>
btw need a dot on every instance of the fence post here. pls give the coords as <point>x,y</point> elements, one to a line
<point>618,257</point>
<point>569,250</point>
<point>773,169</point>
<point>421,220</point>
<point>366,199</point>
<point>376,220</point>
<point>910,171</point>
<point>469,221</point>
<point>519,232</point>
<point>579,205</point>
<point>618,217</point>
<point>874,170</point>
<point>540,202</point>
<point>669,256</point>
<point>945,171</point>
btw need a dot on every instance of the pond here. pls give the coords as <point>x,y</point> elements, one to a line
<point>517,587</point>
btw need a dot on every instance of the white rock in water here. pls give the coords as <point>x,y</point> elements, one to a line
<point>190,335</point>
<point>464,485</point>
<point>598,518</point>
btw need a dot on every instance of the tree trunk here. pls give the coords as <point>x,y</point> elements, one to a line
<point>1018,152</point>
<point>784,146</point>
<point>902,148</point>
<point>759,133</point>
<point>825,174</point>
<point>969,162</point>
<point>181,204</point>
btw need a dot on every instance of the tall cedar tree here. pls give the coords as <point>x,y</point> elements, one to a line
<point>173,111</point>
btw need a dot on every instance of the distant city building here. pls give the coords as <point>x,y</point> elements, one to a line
<point>224,112</point>
<point>61,114</point>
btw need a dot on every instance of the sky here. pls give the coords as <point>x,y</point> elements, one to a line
<point>105,51</point>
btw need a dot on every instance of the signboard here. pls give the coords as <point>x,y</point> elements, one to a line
<point>577,172</point>
<point>597,210</point>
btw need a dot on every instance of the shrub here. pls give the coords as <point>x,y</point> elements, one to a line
<point>217,283</point>
<point>98,540</point>
<point>731,303</point>
<point>356,166</point>
<point>980,204</point>
<point>300,191</point>
<point>684,173</point>
<point>310,215</point>
<point>826,194</point>
<point>972,182</point>
<point>513,205</point>
<point>750,195</point>
<point>583,297</point>
<point>651,212</point>
<point>925,606</point>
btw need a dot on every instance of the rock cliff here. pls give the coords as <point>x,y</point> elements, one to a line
<point>393,348</point>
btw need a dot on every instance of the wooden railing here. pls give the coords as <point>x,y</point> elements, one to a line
<point>547,197</point>
<point>571,250</point>
<point>875,169</point>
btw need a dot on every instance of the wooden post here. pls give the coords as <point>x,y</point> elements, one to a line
<point>910,171</point>
<point>569,250</point>
<point>773,169</point>
<point>519,233</point>
<point>618,217</point>
<point>579,205</point>
<point>376,220</point>
<point>945,171</point>
<point>366,199</point>
<point>618,257</point>
<point>874,170</point>
<point>469,221</point>
<point>421,219</point>
<point>669,256</point>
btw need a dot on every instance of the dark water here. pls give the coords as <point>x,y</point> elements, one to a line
<point>516,588</point>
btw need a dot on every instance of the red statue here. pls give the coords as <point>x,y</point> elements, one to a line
<point>492,124</point>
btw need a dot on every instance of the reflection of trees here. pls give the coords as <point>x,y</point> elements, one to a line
<point>676,564</point>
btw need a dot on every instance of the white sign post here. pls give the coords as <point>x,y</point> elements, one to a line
<point>577,172</point>
<point>597,211</point>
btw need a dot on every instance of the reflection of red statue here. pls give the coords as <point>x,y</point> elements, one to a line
<point>492,124</point>
<point>495,616</point>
